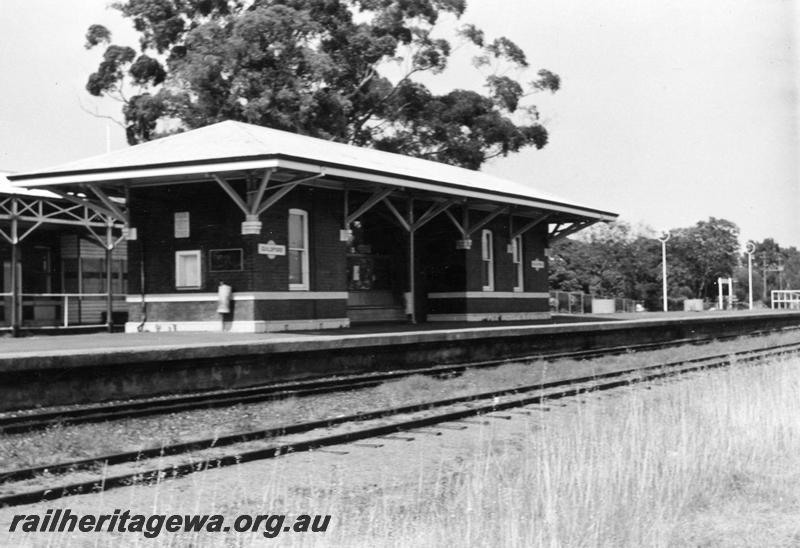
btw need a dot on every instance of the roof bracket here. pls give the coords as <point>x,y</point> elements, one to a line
<point>110,205</point>
<point>558,232</point>
<point>432,212</point>
<point>284,189</point>
<point>525,228</point>
<point>373,200</point>
<point>403,222</point>
<point>262,187</point>
<point>232,193</point>
<point>486,220</point>
<point>458,225</point>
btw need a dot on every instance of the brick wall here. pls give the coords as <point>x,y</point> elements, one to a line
<point>215,223</point>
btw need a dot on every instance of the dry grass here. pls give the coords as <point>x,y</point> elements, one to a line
<point>81,441</point>
<point>711,460</point>
<point>714,461</point>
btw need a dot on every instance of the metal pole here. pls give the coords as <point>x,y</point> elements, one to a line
<point>750,249</point>
<point>664,239</point>
<point>109,287</point>
<point>14,284</point>
<point>14,277</point>
<point>411,285</point>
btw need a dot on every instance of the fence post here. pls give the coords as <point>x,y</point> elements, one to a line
<point>66,310</point>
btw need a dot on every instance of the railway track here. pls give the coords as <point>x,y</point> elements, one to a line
<point>25,486</point>
<point>25,420</point>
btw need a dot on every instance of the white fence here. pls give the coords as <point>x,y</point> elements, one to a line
<point>785,298</point>
<point>576,302</point>
<point>60,309</point>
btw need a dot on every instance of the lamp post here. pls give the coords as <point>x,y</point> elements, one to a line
<point>663,241</point>
<point>750,248</point>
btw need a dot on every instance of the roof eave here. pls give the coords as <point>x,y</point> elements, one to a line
<point>166,171</point>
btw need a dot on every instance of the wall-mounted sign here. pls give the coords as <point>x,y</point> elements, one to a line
<point>130,233</point>
<point>463,244</point>
<point>271,249</point>
<point>537,264</point>
<point>345,235</point>
<point>181,224</point>
<point>221,260</point>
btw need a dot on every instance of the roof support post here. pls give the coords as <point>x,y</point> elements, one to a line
<point>412,293</point>
<point>15,294</point>
<point>262,188</point>
<point>109,273</point>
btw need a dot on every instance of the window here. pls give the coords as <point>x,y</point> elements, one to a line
<point>298,249</point>
<point>187,270</point>
<point>487,256</point>
<point>516,258</point>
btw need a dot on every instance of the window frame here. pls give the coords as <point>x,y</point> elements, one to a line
<point>517,259</point>
<point>304,266</point>
<point>487,256</point>
<point>198,254</point>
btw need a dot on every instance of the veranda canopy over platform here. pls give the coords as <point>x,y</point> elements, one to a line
<point>234,149</point>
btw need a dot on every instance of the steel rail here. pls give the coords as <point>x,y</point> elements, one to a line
<point>28,421</point>
<point>605,381</point>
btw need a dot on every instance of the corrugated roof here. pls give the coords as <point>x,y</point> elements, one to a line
<point>232,142</point>
<point>7,187</point>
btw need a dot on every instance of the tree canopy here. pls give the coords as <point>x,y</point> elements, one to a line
<point>344,70</point>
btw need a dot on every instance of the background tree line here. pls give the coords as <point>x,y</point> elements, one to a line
<point>623,261</point>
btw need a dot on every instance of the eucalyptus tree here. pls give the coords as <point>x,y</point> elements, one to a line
<point>352,71</point>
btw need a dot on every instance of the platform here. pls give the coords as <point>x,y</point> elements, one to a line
<point>55,370</point>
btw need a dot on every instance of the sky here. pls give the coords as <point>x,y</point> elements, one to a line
<point>670,112</point>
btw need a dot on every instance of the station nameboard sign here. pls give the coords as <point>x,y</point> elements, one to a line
<point>537,264</point>
<point>271,249</point>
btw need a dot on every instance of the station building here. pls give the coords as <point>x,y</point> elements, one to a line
<point>311,234</point>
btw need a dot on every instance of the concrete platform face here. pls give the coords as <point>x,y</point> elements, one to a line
<point>55,370</point>
<point>112,343</point>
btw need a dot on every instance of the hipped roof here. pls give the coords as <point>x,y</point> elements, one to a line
<point>235,146</point>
